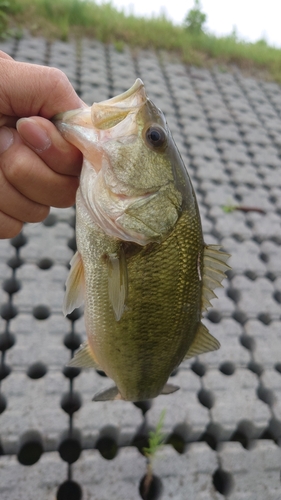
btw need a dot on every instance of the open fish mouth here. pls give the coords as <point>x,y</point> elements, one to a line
<point>105,114</point>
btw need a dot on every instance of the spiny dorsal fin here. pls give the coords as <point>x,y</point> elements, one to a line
<point>214,267</point>
<point>83,358</point>
<point>74,294</point>
<point>117,282</point>
<point>203,342</point>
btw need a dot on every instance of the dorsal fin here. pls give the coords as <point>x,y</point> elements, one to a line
<point>202,342</point>
<point>214,267</point>
<point>74,294</point>
<point>117,282</point>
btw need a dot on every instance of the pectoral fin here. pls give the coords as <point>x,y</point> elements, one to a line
<point>74,293</point>
<point>117,282</point>
<point>83,358</point>
<point>203,342</point>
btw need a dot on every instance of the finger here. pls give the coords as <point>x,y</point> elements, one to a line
<point>14,204</point>
<point>9,227</point>
<point>29,89</point>
<point>29,175</point>
<point>43,137</point>
<point>8,121</point>
<point>3,55</point>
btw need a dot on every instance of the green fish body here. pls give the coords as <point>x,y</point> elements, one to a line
<point>141,266</point>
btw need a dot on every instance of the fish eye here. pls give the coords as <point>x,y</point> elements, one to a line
<point>155,136</point>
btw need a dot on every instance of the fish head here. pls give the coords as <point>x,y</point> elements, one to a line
<point>133,181</point>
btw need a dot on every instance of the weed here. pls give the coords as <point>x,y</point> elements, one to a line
<point>195,19</point>
<point>155,443</point>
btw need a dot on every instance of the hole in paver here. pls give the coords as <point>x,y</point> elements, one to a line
<point>198,368</point>
<point>72,341</point>
<point>247,342</point>
<point>51,220</point>
<point>150,488</point>
<point>71,402</point>
<point>206,398</point>
<point>8,311</point>
<point>41,312</point>
<point>3,403</point>
<point>266,395</point>
<point>255,367</point>
<point>15,262</point>
<point>227,368</point>
<point>70,449</point>
<point>177,442</point>
<point>278,367</point>
<point>71,372</point>
<point>7,340</point>
<point>5,370</point>
<point>72,244</point>
<point>240,438</point>
<point>264,257</point>
<point>11,286</point>
<point>101,373</point>
<point>31,448</point>
<point>233,294</point>
<point>274,429</point>
<point>45,263</point>
<point>74,315</point>
<point>37,370</point>
<point>271,276</point>
<point>19,241</point>
<point>240,317</point>
<point>264,318</point>
<point>223,482</point>
<point>251,275</point>
<point>144,406</point>
<point>107,447</point>
<point>214,316</point>
<point>277,296</point>
<point>69,490</point>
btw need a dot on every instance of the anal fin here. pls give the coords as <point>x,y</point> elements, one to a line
<point>110,394</point>
<point>83,358</point>
<point>203,342</point>
<point>169,388</point>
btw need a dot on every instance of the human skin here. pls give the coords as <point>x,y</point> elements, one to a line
<point>38,168</point>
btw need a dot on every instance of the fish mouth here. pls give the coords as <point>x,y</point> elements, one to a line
<point>105,114</point>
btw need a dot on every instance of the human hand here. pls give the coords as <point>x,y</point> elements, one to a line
<point>38,168</point>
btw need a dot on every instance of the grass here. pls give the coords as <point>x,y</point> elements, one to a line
<point>67,18</point>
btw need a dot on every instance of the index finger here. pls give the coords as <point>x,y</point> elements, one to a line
<point>29,89</point>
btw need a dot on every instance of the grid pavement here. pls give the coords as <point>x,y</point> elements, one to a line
<point>223,427</point>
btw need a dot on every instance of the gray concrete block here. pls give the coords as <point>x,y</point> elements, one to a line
<point>33,405</point>
<point>256,471</point>
<point>267,341</point>
<point>38,340</point>
<point>245,256</point>
<point>228,333</point>
<point>39,481</point>
<point>116,479</point>
<point>188,475</point>
<point>235,400</point>
<point>256,297</point>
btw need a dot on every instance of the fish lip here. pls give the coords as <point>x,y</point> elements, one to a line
<point>136,91</point>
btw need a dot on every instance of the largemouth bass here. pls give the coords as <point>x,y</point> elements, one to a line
<point>141,266</point>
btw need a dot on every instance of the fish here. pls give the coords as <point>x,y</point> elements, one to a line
<point>141,268</point>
